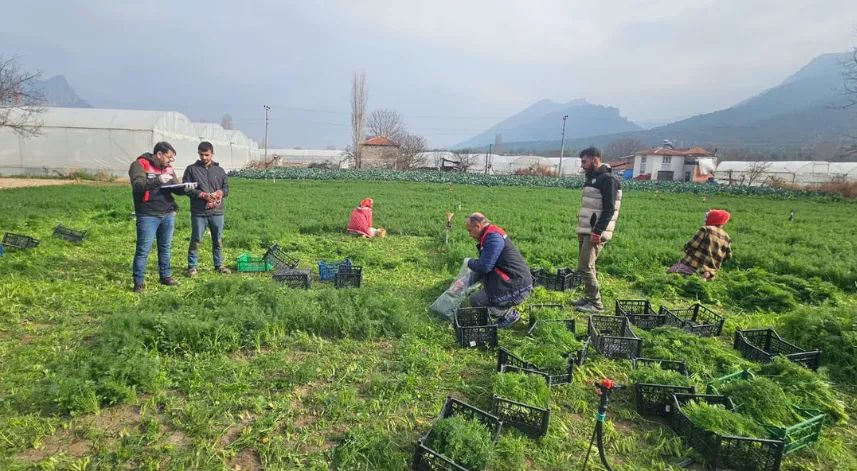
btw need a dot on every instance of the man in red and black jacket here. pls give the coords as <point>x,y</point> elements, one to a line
<point>155,208</point>
<point>505,276</point>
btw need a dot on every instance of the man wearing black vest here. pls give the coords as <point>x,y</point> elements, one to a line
<point>155,207</point>
<point>505,276</point>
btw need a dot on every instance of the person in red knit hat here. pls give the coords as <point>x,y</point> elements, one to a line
<point>709,248</point>
<point>360,223</point>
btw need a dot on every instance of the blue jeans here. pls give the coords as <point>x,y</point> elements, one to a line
<point>198,224</point>
<point>503,305</point>
<point>147,228</point>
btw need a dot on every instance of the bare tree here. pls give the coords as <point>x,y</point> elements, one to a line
<point>498,143</point>
<point>226,121</point>
<point>387,123</point>
<point>359,97</point>
<point>623,148</point>
<point>849,77</point>
<point>21,98</point>
<point>466,159</point>
<point>756,171</point>
<point>410,154</point>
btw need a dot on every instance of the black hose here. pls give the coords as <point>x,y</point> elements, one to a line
<point>599,430</point>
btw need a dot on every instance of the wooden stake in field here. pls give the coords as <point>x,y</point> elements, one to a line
<point>448,225</point>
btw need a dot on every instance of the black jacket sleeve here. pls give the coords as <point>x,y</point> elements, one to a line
<point>188,177</point>
<point>140,182</point>
<point>609,190</point>
<point>224,187</point>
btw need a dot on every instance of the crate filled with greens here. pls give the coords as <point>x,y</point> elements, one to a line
<point>726,439</point>
<point>763,345</point>
<point>655,381</point>
<point>640,313</point>
<point>696,319</point>
<point>521,400</point>
<point>764,401</point>
<point>462,438</point>
<point>613,337</point>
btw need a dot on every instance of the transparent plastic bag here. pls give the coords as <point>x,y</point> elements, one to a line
<point>446,304</point>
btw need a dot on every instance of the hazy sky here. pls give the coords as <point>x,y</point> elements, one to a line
<point>452,68</point>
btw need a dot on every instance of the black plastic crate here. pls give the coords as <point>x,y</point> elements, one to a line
<point>348,276</point>
<point>426,459</point>
<point>278,257</point>
<point>530,420</point>
<point>19,241</point>
<point>301,279</point>
<point>612,337</point>
<point>564,279</point>
<point>640,312</point>
<point>697,319</point>
<point>763,345</point>
<point>724,452</point>
<point>656,399</point>
<point>70,235</point>
<point>474,329</point>
<point>577,356</point>
<point>573,359</point>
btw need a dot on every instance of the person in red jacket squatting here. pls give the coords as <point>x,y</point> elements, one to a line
<point>505,276</point>
<point>360,223</point>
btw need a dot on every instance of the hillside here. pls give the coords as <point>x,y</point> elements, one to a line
<point>796,113</point>
<point>543,121</point>
<point>59,93</point>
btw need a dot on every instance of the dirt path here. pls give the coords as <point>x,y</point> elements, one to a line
<point>6,183</point>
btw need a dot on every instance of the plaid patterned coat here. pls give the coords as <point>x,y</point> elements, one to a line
<point>709,248</point>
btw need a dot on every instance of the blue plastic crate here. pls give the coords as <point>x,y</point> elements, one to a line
<point>327,271</point>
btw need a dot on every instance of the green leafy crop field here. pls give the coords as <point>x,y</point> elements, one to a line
<point>238,372</point>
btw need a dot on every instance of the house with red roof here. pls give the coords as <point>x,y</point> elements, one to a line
<point>670,163</point>
<point>379,152</point>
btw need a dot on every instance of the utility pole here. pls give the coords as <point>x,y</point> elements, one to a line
<point>486,158</point>
<point>561,147</point>
<point>267,108</point>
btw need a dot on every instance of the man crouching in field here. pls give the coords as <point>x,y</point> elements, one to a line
<point>207,207</point>
<point>504,274</point>
<point>155,209</point>
<point>709,248</point>
<point>596,221</point>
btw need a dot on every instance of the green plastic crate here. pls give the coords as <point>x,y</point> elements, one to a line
<point>802,434</point>
<point>797,436</point>
<point>249,263</point>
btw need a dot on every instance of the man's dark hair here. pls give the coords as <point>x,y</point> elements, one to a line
<point>163,147</point>
<point>590,152</point>
<point>205,146</point>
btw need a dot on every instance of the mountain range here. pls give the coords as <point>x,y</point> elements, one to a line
<point>542,121</point>
<point>802,110</point>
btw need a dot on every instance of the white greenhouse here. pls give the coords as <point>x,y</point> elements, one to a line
<point>791,172</point>
<point>93,139</point>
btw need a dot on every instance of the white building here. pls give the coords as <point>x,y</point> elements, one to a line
<point>668,163</point>
<point>93,139</point>
<point>791,172</point>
